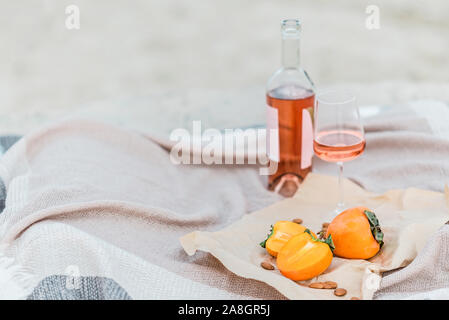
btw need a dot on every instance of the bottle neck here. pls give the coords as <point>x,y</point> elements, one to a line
<point>291,30</point>
<point>290,51</point>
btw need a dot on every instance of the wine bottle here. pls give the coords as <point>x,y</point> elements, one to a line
<point>290,98</point>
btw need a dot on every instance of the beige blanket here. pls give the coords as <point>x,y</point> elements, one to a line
<point>90,205</point>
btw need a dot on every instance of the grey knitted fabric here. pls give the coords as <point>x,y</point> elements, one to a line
<point>61,287</point>
<point>5,143</point>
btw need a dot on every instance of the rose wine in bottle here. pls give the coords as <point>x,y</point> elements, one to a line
<point>290,100</point>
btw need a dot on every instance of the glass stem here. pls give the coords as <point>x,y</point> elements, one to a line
<point>341,202</point>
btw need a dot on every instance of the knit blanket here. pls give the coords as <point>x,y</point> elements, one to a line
<point>92,211</point>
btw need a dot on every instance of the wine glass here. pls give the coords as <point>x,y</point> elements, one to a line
<point>338,135</point>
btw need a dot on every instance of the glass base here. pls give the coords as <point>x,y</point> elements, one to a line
<point>287,185</point>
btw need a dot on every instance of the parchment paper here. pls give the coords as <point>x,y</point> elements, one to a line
<point>407,217</point>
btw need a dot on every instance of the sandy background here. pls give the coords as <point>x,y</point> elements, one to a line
<point>194,50</point>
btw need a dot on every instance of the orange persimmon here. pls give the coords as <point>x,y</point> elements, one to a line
<point>280,233</point>
<point>356,234</point>
<point>304,256</point>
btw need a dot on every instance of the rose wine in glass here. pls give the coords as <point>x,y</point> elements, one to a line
<point>290,100</point>
<point>338,134</point>
<point>336,146</point>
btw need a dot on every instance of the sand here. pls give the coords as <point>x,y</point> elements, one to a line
<point>135,50</point>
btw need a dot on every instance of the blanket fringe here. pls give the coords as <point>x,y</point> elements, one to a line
<point>16,283</point>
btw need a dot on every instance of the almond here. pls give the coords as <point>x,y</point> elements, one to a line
<point>266,265</point>
<point>297,220</point>
<point>323,233</point>
<point>340,292</point>
<point>316,285</point>
<point>330,285</point>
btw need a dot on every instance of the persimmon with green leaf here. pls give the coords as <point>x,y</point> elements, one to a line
<point>304,256</point>
<point>356,234</point>
<point>279,234</point>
